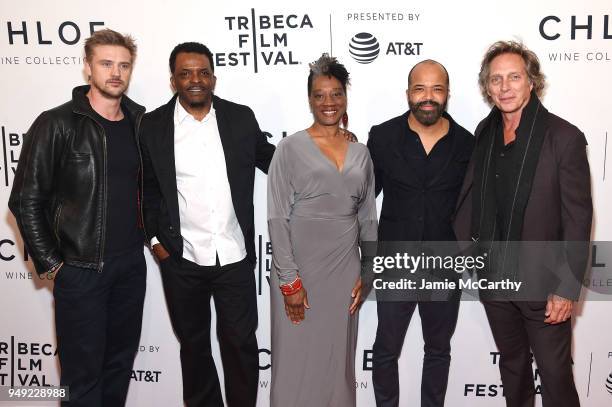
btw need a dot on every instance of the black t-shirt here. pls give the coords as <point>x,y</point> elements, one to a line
<point>122,168</point>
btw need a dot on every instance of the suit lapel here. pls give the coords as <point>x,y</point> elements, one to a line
<point>228,143</point>
<point>166,161</point>
<point>534,134</point>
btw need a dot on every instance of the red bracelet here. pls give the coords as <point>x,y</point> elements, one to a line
<point>291,288</point>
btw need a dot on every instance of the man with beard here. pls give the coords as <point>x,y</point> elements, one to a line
<point>419,159</point>
<point>200,153</point>
<point>76,200</point>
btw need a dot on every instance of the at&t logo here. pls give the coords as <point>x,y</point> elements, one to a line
<point>609,383</point>
<point>364,48</point>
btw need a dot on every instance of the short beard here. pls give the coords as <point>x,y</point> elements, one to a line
<point>427,118</point>
<point>106,94</point>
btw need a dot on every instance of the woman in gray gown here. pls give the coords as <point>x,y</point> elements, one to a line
<point>321,206</point>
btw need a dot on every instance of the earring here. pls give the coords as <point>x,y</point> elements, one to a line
<point>345,120</point>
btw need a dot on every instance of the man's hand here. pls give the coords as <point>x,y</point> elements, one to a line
<point>348,135</point>
<point>295,306</point>
<point>52,274</point>
<point>558,309</point>
<point>160,252</point>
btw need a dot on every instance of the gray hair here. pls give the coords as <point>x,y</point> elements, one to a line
<point>328,66</point>
<point>532,66</point>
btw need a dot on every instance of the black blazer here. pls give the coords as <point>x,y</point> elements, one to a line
<point>245,147</point>
<point>409,199</point>
<point>557,205</point>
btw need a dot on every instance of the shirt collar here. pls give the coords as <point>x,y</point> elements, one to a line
<point>180,114</point>
<point>451,125</point>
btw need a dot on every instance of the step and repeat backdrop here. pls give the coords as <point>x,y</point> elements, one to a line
<point>262,49</point>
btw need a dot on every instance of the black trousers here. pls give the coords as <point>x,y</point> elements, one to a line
<point>518,327</point>
<point>98,317</point>
<point>188,288</point>
<point>438,321</point>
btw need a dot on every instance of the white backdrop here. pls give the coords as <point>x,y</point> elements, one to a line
<point>262,50</point>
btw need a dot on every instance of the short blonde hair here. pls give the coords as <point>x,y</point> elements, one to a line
<point>109,37</point>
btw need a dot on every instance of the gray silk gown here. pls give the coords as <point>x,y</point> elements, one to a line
<point>317,216</point>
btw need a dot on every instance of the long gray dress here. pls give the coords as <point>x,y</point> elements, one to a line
<point>317,216</point>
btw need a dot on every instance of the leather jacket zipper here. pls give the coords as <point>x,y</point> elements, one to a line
<point>103,237</point>
<point>101,257</point>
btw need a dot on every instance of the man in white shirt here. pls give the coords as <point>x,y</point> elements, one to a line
<point>199,159</point>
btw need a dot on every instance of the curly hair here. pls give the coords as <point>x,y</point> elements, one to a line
<point>532,66</point>
<point>329,66</point>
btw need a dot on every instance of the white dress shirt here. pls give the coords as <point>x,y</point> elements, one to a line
<point>209,226</point>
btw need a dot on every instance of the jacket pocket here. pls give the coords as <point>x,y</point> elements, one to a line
<point>56,219</point>
<point>79,157</point>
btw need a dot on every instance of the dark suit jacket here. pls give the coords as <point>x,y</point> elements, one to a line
<point>406,196</point>
<point>558,205</point>
<point>245,147</point>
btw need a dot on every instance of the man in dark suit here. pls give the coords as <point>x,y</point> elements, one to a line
<point>529,181</point>
<point>419,160</point>
<point>199,158</point>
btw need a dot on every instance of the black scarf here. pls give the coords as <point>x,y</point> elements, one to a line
<point>529,138</point>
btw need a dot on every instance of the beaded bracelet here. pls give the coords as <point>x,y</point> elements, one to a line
<point>291,288</point>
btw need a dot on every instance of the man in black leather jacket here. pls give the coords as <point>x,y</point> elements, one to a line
<point>76,198</point>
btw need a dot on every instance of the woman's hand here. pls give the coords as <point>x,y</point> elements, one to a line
<point>295,306</point>
<point>356,296</point>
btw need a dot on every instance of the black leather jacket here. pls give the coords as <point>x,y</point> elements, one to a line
<point>59,190</point>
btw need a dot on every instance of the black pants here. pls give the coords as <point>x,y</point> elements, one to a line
<point>188,288</point>
<point>98,317</point>
<point>438,321</point>
<point>518,327</point>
